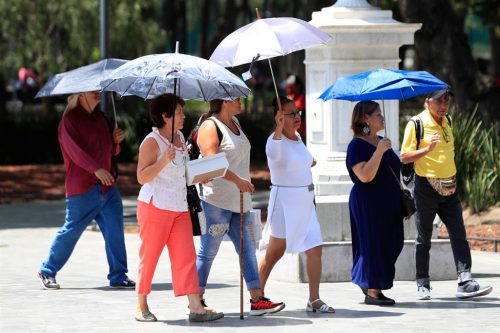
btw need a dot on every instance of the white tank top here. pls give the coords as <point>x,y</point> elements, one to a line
<point>168,188</point>
<point>221,192</point>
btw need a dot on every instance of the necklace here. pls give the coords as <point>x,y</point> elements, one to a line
<point>181,150</point>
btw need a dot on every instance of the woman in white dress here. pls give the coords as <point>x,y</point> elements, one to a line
<point>292,224</point>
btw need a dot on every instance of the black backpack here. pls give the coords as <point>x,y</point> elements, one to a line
<point>193,149</point>
<point>192,197</point>
<point>408,170</point>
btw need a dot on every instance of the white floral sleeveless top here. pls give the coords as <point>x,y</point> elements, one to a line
<point>168,189</point>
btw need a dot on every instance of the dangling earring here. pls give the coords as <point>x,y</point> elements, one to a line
<point>366,129</point>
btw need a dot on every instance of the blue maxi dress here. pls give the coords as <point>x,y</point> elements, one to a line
<point>376,218</point>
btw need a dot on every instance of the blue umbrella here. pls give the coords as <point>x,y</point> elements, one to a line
<point>383,84</point>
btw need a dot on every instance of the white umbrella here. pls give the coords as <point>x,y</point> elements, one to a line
<point>267,38</point>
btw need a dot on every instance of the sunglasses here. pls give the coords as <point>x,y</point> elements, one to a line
<point>293,114</point>
<point>446,136</point>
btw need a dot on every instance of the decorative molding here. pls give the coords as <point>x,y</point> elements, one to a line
<point>353,4</point>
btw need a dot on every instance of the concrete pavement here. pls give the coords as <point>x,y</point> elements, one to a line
<point>86,303</point>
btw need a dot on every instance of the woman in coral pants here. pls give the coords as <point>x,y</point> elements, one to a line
<point>162,210</point>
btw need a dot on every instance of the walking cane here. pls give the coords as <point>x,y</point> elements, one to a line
<point>241,255</point>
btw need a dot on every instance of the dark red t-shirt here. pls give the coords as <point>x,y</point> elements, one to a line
<point>86,142</point>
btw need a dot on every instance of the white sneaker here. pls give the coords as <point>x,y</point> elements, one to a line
<point>472,289</point>
<point>423,292</point>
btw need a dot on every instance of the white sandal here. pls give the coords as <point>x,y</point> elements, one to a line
<point>325,308</point>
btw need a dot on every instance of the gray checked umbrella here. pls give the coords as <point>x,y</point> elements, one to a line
<point>81,79</point>
<point>187,76</point>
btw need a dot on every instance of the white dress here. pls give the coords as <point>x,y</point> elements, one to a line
<point>291,211</point>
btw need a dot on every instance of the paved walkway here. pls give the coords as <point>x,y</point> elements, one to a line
<point>86,304</point>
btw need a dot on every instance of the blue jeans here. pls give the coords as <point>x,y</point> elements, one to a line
<point>219,223</point>
<point>81,209</point>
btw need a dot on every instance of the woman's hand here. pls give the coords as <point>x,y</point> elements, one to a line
<point>168,156</point>
<point>279,118</point>
<point>245,186</point>
<point>104,177</point>
<point>314,162</point>
<point>384,145</point>
<point>118,135</point>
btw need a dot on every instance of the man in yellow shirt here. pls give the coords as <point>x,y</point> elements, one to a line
<point>435,193</point>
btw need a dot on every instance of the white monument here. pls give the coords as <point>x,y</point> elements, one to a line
<point>363,38</point>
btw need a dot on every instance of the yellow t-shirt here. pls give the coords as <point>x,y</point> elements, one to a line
<point>439,163</point>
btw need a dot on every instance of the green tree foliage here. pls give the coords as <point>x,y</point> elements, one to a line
<point>53,36</point>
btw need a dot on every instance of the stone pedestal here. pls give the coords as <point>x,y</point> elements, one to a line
<point>337,263</point>
<point>363,38</point>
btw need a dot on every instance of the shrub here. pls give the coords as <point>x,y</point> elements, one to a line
<point>476,157</point>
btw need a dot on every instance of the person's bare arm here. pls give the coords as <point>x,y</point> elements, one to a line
<point>366,171</point>
<point>208,141</point>
<point>415,155</point>
<point>148,166</point>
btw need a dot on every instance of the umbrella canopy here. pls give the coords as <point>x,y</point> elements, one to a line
<point>383,84</point>
<point>154,75</point>
<point>267,38</point>
<point>82,79</point>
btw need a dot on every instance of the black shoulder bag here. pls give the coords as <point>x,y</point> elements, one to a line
<point>407,202</point>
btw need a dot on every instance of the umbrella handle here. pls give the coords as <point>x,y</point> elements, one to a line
<point>257,13</point>
<point>241,255</point>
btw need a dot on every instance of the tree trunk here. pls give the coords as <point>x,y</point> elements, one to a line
<point>442,48</point>
<point>495,54</point>
<point>205,21</point>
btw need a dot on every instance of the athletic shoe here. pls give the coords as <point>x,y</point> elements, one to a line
<point>48,282</point>
<point>125,284</point>
<point>423,292</point>
<point>264,305</point>
<point>471,288</point>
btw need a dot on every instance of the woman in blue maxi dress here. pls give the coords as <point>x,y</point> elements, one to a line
<point>374,205</point>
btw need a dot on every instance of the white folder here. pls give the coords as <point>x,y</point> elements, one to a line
<point>206,168</point>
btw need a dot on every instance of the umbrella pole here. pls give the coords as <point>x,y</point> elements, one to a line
<point>114,108</point>
<point>241,255</point>
<point>275,87</point>
<point>175,106</point>
<point>385,120</point>
<point>175,94</point>
<point>257,12</point>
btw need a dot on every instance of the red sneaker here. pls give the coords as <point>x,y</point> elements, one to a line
<point>264,305</point>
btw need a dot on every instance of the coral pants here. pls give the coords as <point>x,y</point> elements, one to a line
<point>159,227</point>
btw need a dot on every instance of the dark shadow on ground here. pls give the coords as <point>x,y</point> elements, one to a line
<point>159,287</point>
<point>450,303</point>
<point>233,320</point>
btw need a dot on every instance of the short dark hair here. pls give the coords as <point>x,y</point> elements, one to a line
<point>164,104</point>
<point>283,99</point>
<point>358,115</point>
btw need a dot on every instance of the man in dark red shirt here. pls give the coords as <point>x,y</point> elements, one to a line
<point>88,142</point>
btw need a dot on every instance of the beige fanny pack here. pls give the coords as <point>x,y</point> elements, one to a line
<point>444,186</point>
